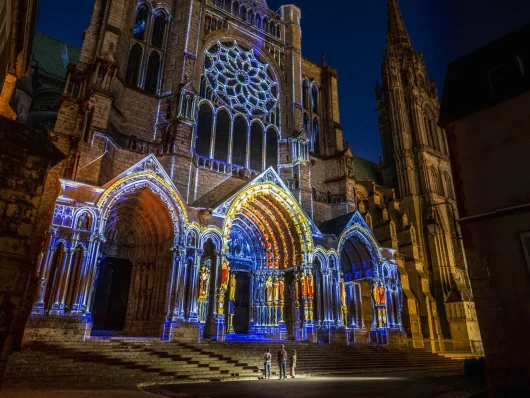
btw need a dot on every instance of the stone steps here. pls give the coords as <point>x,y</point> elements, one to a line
<point>120,362</point>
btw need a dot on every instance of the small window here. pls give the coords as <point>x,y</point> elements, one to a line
<point>140,24</point>
<point>153,73</point>
<point>159,30</point>
<point>133,66</point>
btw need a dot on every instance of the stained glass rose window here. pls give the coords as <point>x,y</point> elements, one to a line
<point>240,80</point>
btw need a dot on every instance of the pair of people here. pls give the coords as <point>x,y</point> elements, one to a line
<point>282,363</point>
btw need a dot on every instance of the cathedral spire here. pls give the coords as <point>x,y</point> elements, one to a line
<point>396,25</point>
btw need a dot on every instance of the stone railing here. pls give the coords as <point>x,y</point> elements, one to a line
<point>222,167</point>
<point>327,197</point>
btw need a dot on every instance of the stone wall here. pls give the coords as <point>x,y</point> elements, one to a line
<point>25,158</point>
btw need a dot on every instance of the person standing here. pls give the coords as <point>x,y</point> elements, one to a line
<point>267,358</point>
<point>282,362</point>
<point>293,363</point>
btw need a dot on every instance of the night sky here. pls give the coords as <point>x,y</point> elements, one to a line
<point>353,38</point>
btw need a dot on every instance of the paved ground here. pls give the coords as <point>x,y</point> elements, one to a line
<point>409,385</point>
<point>382,385</point>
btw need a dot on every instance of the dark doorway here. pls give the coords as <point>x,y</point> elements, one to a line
<point>241,304</point>
<point>112,294</point>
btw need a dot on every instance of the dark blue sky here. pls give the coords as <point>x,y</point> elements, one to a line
<point>352,34</point>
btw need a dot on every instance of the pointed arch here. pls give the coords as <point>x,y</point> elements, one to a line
<point>204,130</point>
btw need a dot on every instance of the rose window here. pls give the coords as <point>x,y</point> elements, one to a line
<point>240,80</point>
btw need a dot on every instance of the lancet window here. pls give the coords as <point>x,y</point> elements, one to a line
<point>147,48</point>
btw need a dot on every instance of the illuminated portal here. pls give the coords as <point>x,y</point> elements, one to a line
<point>128,257</point>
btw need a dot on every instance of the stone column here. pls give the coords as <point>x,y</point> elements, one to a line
<point>58,304</point>
<point>91,279</point>
<point>38,307</point>
<point>193,311</point>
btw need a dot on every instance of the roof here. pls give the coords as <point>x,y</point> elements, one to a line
<point>53,55</point>
<point>335,226</point>
<point>366,170</point>
<point>483,78</point>
<point>19,139</point>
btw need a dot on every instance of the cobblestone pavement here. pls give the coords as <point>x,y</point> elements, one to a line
<point>409,385</point>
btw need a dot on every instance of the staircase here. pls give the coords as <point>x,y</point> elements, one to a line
<point>334,360</point>
<point>122,363</point>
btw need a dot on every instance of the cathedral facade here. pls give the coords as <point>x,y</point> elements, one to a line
<point>208,191</point>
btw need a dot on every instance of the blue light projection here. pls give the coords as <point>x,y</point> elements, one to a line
<point>240,80</point>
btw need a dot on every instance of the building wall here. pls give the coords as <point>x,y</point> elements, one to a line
<point>491,145</point>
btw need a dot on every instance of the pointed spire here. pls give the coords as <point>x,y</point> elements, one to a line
<point>396,25</point>
<point>324,63</point>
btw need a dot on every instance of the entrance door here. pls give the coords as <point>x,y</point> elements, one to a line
<point>112,294</point>
<point>242,303</point>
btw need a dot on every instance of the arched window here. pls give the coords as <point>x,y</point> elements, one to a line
<point>140,23</point>
<point>450,193</point>
<point>316,136</point>
<point>278,31</point>
<point>251,17</point>
<point>159,30</point>
<point>239,141</point>
<point>314,99</point>
<point>235,8</point>
<point>228,5</point>
<point>435,181</point>
<point>443,140</point>
<point>133,65</point>
<point>222,136</point>
<point>204,131</point>
<point>256,147</point>
<point>243,13</point>
<point>272,149</point>
<point>306,123</point>
<point>305,94</point>
<point>143,61</point>
<point>432,134</point>
<point>272,29</point>
<point>258,21</point>
<point>153,73</point>
<point>265,24</point>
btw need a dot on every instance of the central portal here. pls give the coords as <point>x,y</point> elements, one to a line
<point>242,303</point>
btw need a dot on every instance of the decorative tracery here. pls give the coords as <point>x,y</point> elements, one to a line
<point>240,80</point>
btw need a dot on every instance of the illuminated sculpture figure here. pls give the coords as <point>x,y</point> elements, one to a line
<point>342,292</point>
<point>232,287</point>
<point>310,285</point>
<point>269,286</point>
<point>304,286</point>
<point>276,289</point>
<point>382,295</point>
<point>204,281</point>
<point>225,270</point>
<point>281,288</point>
<point>376,294</point>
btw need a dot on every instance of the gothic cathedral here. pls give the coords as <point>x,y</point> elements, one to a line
<point>207,190</point>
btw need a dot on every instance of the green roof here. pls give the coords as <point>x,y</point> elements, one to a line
<point>366,170</point>
<point>53,55</point>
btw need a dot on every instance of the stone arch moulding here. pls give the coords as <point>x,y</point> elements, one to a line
<point>150,174</point>
<point>269,183</point>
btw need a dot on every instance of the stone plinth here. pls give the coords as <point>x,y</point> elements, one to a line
<point>397,338</point>
<point>340,336</point>
<point>52,328</point>
<point>184,332</point>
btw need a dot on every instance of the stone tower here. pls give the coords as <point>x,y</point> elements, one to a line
<point>416,164</point>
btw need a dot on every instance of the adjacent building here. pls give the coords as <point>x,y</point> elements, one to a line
<point>485,113</point>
